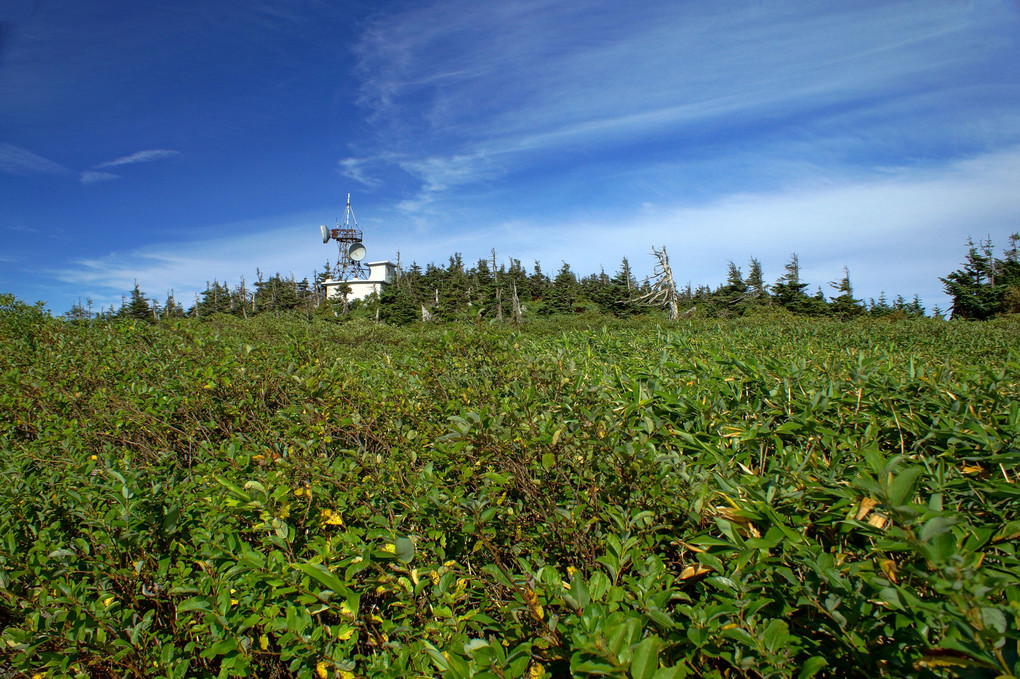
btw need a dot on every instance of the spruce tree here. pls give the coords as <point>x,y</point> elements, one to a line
<point>755,283</point>
<point>138,308</point>
<point>973,287</point>
<point>563,292</point>
<point>844,305</point>
<point>788,292</point>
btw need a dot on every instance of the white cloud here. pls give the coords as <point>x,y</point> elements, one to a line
<point>286,245</point>
<point>92,177</point>
<point>16,160</point>
<point>140,157</point>
<point>463,92</point>
<point>897,233</point>
<point>357,169</point>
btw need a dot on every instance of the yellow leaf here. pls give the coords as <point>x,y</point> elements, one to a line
<point>694,571</point>
<point>888,567</point>
<point>331,518</point>
<point>878,521</point>
<point>867,504</point>
<point>320,669</point>
<point>344,633</point>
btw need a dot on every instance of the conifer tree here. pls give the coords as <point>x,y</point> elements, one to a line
<point>563,293</point>
<point>538,283</point>
<point>734,292</point>
<point>138,308</point>
<point>844,305</point>
<point>788,291</point>
<point>397,305</point>
<point>973,287</point>
<point>755,283</point>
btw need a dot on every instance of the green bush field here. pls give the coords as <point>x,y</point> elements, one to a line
<point>764,496</point>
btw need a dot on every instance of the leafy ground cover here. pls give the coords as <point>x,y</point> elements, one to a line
<point>769,497</point>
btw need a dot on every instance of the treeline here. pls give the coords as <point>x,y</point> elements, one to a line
<point>485,292</point>
<point>274,295</point>
<point>984,287</point>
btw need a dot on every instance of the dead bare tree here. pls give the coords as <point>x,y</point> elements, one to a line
<point>663,293</point>
<point>516,307</point>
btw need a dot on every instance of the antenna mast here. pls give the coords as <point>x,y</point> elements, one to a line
<point>352,251</point>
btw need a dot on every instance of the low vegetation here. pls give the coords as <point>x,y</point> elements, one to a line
<point>769,496</point>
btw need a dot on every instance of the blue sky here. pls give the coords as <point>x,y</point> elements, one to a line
<point>173,143</point>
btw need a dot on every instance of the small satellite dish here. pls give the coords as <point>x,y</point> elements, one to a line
<point>325,233</point>
<point>356,251</point>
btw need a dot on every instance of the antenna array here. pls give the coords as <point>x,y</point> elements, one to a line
<point>352,250</point>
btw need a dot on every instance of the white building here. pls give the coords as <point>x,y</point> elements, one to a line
<point>378,273</point>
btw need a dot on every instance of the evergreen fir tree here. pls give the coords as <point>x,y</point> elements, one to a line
<point>788,292</point>
<point>757,290</point>
<point>538,283</point>
<point>138,308</point>
<point>975,295</point>
<point>733,293</point>
<point>845,305</point>
<point>397,306</point>
<point>563,292</point>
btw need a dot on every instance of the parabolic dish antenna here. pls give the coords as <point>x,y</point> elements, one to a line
<point>325,233</point>
<point>356,251</point>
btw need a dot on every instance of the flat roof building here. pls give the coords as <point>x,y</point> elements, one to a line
<point>361,288</point>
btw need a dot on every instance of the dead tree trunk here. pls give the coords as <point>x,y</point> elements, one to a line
<point>664,293</point>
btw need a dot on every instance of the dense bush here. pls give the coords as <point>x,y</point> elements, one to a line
<point>767,497</point>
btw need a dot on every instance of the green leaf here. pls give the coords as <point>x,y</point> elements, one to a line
<point>196,603</point>
<point>776,634</point>
<point>437,657</point>
<point>645,659</point>
<point>901,488</point>
<point>404,549</point>
<point>324,576</point>
<point>935,526</point>
<point>811,667</point>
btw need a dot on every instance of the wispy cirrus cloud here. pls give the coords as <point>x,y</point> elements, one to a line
<point>463,92</point>
<point>358,169</point>
<point>19,161</point>
<point>140,157</point>
<point>278,244</point>
<point>93,177</point>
